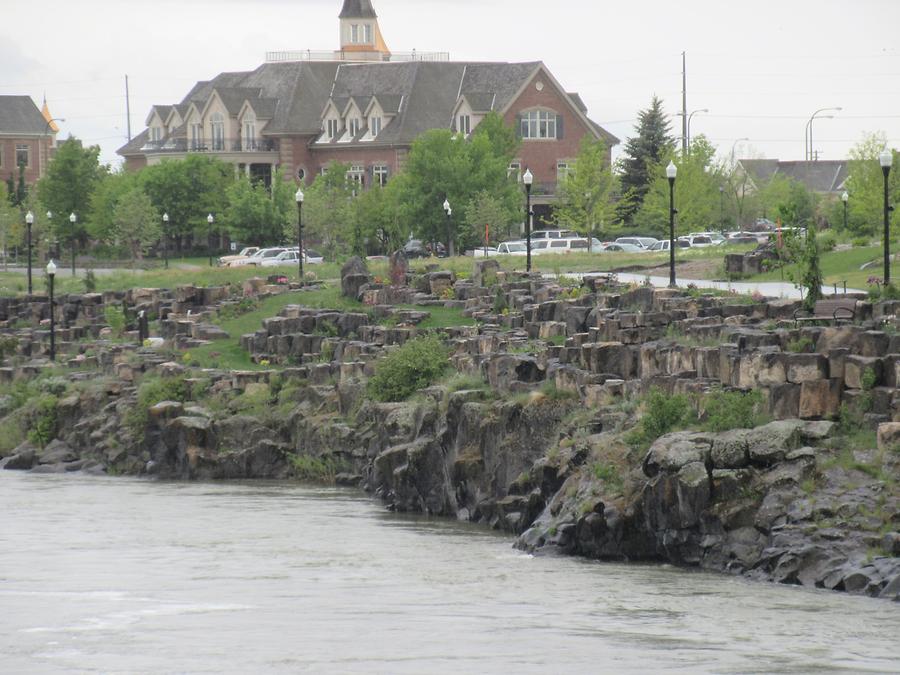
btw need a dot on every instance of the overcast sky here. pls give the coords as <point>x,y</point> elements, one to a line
<point>762,68</point>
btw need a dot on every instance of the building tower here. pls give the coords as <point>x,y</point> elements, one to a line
<point>361,37</point>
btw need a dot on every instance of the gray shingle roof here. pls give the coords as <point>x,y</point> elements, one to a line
<point>133,147</point>
<point>420,95</point>
<point>358,9</point>
<point>824,176</point>
<point>20,115</point>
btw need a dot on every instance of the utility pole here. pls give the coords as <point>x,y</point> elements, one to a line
<point>128,108</point>
<point>684,112</point>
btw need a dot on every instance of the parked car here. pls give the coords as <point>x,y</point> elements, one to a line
<point>245,253</point>
<point>567,245</point>
<point>312,257</point>
<point>553,234</point>
<point>716,237</point>
<point>284,258</point>
<point>621,247</point>
<point>517,248</point>
<point>416,248</point>
<point>698,241</point>
<point>640,242</point>
<point>257,258</point>
<point>664,245</point>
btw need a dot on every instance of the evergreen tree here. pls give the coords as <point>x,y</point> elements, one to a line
<point>643,152</point>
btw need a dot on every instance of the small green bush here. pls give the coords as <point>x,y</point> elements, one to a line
<point>42,427</point>
<point>608,473</point>
<point>860,242</point>
<point>828,240</point>
<point>317,469</point>
<point>115,319</point>
<point>800,345</point>
<point>662,413</point>
<point>151,391</point>
<point>402,372</point>
<point>727,410</point>
<point>90,281</point>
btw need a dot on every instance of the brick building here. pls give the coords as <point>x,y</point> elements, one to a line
<point>27,137</point>
<point>364,105</point>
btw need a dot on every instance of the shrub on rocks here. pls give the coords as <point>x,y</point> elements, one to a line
<point>415,365</point>
<point>151,391</point>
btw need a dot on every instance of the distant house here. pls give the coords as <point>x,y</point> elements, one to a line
<point>364,105</point>
<point>27,138</point>
<point>827,177</point>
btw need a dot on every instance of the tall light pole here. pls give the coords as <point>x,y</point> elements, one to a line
<point>56,237</point>
<point>886,158</point>
<point>528,179</point>
<point>671,172</point>
<point>29,221</point>
<point>51,275</point>
<point>165,239</point>
<point>845,197</point>
<point>702,110</point>
<point>448,211</point>
<point>734,145</point>
<point>73,219</point>
<point>722,208</point>
<point>808,136</point>
<point>209,222</point>
<point>299,198</point>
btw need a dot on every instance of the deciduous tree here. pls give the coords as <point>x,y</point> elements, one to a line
<point>587,191</point>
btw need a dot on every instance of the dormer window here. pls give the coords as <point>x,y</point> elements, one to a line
<point>360,33</point>
<point>374,125</point>
<point>354,127</point>
<point>155,134</point>
<point>333,128</point>
<point>465,124</point>
<point>217,128</point>
<point>249,132</point>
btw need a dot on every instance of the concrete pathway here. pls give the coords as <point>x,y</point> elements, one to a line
<point>771,289</point>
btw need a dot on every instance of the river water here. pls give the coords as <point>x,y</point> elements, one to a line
<point>116,575</point>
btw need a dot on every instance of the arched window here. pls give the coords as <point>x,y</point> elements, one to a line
<point>217,131</point>
<point>249,131</point>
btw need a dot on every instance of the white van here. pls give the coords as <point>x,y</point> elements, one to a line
<point>567,245</point>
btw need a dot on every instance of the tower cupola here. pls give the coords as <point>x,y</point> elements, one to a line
<point>360,32</point>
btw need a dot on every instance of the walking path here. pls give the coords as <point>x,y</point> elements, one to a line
<point>771,289</point>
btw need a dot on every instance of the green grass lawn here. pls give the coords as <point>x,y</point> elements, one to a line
<point>839,266</point>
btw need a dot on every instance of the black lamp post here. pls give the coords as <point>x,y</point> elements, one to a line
<point>29,221</point>
<point>722,208</point>
<point>56,237</point>
<point>671,172</point>
<point>165,239</point>
<point>209,221</point>
<point>845,198</point>
<point>73,219</point>
<point>886,158</point>
<point>528,179</point>
<point>51,274</point>
<point>449,212</point>
<point>299,198</point>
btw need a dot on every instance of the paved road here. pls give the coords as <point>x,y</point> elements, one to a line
<point>771,289</point>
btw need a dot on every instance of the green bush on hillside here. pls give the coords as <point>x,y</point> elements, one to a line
<point>415,365</point>
<point>151,391</point>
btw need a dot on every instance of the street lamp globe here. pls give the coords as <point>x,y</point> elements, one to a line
<point>210,219</point>
<point>447,205</point>
<point>886,158</point>
<point>73,218</point>
<point>165,217</point>
<point>845,197</point>
<point>671,170</point>
<point>528,178</point>
<point>29,218</point>
<point>299,196</point>
<point>51,268</point>
<point>49,215</point>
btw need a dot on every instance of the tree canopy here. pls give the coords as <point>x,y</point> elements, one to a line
<point>586,193</point>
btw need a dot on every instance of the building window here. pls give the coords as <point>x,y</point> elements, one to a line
<point>217,124</point>
<point>367,34</point>
<point>563,171</point>
<point>538,124</point>
<point>354,127</point>
<point>249,133</point>
<point>465,124</point>
<point>357,174</point>
<point>374,125</point>
<point>514,170</point>
<point>1,155</point>
<point>333,128</point>
<point>354,33</point>
<point>155,134</point>
<point>380,174</point>
<point>23,155</point>
<point>196,137</point>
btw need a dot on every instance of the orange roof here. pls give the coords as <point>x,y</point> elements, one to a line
<point>45,111</point>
